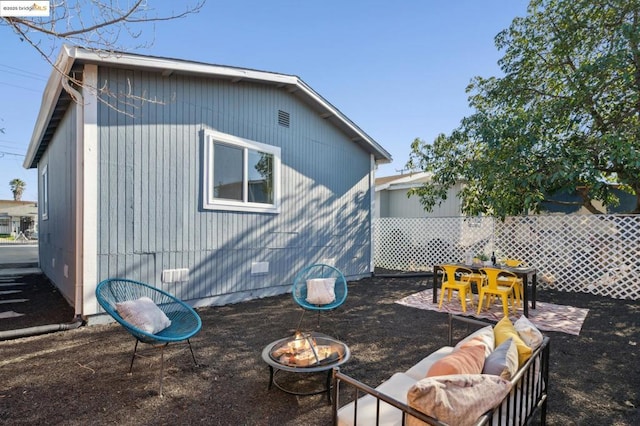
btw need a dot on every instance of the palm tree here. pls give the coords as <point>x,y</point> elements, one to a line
<point>17,187</point>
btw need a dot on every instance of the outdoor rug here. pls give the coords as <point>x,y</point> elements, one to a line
<point>546,316</point>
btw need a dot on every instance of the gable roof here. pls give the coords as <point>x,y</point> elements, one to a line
<point>404,181</point>
<point>55,99</point>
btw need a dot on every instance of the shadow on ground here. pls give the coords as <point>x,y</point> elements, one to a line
<point>31,300</point>
<point>79,377</point>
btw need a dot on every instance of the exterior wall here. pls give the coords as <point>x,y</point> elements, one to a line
<point>5,226</point>
<point>395,203</point>
<point>57,232</point>
<point>150,190</point>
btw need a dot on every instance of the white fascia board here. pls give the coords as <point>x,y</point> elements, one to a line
<point>405,182</point>
<point>386,156</point>
<point>170,65</point>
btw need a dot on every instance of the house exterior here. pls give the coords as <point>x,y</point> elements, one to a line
<point>18,216</point>
<point>391,198</point>
<point>217,184</point>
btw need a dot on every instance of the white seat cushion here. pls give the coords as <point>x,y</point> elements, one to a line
<point>396,387</point>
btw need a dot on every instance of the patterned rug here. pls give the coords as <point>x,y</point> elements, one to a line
<point>546,316</point>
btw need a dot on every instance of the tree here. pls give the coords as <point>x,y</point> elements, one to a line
<point>102,25</point>
<point>564,118</point>
<point>17,187</point>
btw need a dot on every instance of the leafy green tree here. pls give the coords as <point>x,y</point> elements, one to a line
<point>17,187</point>
<point>565,117</point>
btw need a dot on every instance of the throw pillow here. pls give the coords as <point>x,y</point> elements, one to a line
<point>321,291</point>
<point>456,400</point>
<point>486,336</point>
<point>504,330</point>
<point>503,361</point>
<point>464,360</point>
<point>143,314</point>
<point>528,332</point>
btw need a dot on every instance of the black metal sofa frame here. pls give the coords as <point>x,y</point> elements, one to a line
<point>527,398</point>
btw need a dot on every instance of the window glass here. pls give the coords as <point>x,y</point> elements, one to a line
<point>260,177</point>
<point>240,174</point>
<point>227,172</point>
<point>45,192</point>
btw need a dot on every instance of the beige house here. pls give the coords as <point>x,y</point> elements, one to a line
<point>392,201</point>
<point>18,216</point>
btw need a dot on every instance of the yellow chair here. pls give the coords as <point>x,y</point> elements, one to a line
<point>451,284</point>
<point>498,282</point>
<point>517,282</point>
<point>474,278</point>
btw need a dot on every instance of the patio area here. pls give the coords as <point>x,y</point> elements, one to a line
<point>79,377</point>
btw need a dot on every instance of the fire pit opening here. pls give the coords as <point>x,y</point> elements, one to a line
<point>307,350</point>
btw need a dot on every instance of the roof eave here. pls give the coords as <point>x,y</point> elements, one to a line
<point>71,54</point>
<point>50,97</point>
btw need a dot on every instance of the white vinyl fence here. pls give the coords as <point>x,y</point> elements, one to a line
<point>598,254</point>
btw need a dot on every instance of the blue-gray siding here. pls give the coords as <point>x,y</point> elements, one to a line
<point>57,233</point>
<point>150,186</point>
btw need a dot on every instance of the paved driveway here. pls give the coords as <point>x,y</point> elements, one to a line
<point>18,255</point>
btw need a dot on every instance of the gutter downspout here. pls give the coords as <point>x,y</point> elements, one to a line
<point>40,329</point>
<point>79,213</point>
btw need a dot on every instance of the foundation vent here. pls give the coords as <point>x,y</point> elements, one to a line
<point>175,275</point>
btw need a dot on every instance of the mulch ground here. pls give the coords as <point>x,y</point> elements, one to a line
<point>79,377</point>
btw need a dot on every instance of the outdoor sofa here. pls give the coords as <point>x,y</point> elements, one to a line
<point>510,395</point>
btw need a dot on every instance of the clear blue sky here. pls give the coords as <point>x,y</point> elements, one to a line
<point>398,70</point>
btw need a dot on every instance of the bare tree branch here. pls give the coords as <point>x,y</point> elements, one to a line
<point>96,25</point>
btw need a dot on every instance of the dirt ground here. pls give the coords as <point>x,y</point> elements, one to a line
<point>79,377</point>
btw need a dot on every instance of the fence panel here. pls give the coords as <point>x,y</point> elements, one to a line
<point>596,254</point>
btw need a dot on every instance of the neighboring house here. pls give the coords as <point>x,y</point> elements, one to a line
<point>17,217</point>
<point>215,183</point>
<point>626,205</point>
<point>392,200</point>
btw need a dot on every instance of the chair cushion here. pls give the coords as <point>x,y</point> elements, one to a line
<point>457,399</point>
<point>143,314</point>
<point>503,361</point>
<point>321,291</point>
<point>504,330</point>
<point>468,359</point>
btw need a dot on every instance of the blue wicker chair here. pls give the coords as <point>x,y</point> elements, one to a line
<point>299,290</point>
<point>185,321</point>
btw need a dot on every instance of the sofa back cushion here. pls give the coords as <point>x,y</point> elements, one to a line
<point>528,332</point>
<point>484,335</point>
<point>503,361</point>
<point>467,359</point>
<point>505,330</point>
<point>458,399</point>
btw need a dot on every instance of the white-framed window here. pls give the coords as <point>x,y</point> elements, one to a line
<point>45,193</point>
<point>240,174</point>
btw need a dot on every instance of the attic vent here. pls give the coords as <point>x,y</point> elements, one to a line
<point>283,118</point>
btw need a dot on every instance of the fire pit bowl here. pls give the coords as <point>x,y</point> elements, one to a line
<point>307,350</point>
<point>305,353</point>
